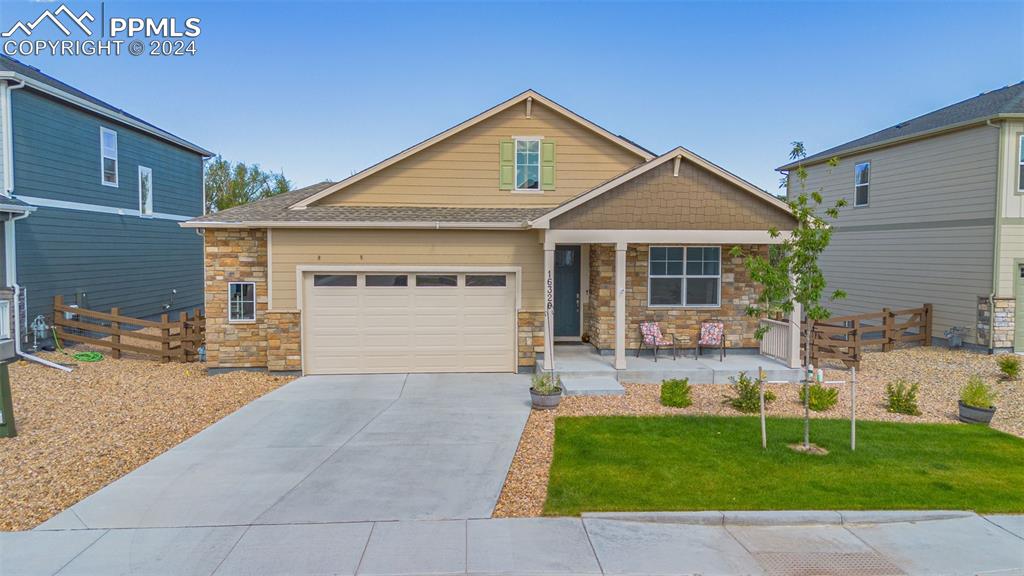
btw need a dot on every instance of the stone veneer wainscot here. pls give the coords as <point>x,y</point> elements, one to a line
<point>738,292</point>
<point>272,341</point>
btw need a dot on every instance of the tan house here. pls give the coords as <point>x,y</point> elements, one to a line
<point>479,248</point>
<point>936,215</point>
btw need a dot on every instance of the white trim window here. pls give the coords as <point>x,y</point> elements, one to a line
<point>5,319</point>
<point>528,164</point>
<point>861,183</point>
<point>145,191</point>
<point>108,157</point>
<point>241,302</point>
<point>1020,164</point>
<point>688,276</point>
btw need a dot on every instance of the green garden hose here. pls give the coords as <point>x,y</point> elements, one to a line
<point>80,356</point>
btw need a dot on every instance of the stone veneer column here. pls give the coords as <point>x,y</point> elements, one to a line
<point>284,340</point>
<point>1003,321</point>
<point>235,255</point>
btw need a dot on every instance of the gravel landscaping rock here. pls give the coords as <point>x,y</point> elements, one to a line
<point>79,431</point>
<point>939,371</point>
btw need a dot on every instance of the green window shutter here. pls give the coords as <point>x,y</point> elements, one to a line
<point>547,165</point>
<point>507,165</point>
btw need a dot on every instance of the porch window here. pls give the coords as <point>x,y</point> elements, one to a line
<point>684,276</point>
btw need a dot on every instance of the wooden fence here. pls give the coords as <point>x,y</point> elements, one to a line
<point>844,338</point>
<point>171,339</point>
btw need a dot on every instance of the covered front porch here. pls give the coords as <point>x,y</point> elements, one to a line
<point>656,245</point>
<point>586,371</point>
<point>598,290</point>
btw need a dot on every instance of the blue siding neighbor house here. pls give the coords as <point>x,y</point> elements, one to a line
<point>91,201</point>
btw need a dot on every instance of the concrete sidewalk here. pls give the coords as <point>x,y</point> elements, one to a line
<point>770,543</point>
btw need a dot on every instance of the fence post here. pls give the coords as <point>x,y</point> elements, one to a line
<point>165,340</point>
<point>856,341</point>
<point>115,335</point>
<point>793,336</point>
<point>58,302</point>
<point>182,335</point>
<point>889,322</point>
<point>927,325</point>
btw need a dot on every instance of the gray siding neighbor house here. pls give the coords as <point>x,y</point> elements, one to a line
<point>935,215</point>
<point>91,201</point>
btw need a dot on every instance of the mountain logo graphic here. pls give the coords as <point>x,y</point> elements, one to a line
<point>28,28</point>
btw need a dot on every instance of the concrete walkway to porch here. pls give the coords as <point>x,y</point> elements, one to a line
<point>583,361</point>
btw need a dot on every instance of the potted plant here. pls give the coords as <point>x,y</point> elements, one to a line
<point>976,402</point>
<point>545,391</point>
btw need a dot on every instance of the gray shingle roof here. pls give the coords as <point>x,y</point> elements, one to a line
<point>9,64</point>
<point>275,209</point>
<point>1008,100</point>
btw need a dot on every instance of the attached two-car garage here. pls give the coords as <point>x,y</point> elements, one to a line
<point>381,321</point>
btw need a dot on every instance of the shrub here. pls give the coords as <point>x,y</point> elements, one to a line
<point>546,383</point>
<point>676,393</point>
<point>1009,365</point>
<point>902,398</point>
<point>977,394</point>
<point>822,397</point>
<point>748,394</point>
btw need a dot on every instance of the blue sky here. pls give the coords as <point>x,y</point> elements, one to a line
<point>321,90</point>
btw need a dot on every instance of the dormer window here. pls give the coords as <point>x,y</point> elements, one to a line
<point>528,164</point>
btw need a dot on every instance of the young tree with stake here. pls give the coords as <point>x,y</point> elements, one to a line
<point>790,273</point>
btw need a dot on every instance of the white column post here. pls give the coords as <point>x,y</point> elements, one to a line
<point>620,305</point>
<point>793,354</point>
<point>549,306</point>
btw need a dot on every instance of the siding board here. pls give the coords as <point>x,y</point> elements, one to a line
<point>292,248</point>
<point>136,274</point>
<point>462,170</point>
<point>939,180</point>
<point>124,261</point>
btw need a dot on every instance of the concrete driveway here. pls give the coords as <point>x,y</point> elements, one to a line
<point>331,449</point>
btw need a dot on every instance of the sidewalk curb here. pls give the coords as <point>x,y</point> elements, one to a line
<point>781,517</point>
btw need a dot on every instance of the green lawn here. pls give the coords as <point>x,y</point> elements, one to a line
<point>716,463</point>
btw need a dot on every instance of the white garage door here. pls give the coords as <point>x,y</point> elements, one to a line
<point>360,323</point>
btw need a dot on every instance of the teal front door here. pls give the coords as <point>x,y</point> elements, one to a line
<point>567,291</point>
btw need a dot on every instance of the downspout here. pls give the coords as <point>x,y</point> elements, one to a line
<point>997,237</point>
<point>17,322</point>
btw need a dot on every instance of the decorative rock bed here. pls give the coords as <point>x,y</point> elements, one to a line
<point>79,431</point>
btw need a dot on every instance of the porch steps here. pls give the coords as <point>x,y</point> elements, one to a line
<point>603,385</point>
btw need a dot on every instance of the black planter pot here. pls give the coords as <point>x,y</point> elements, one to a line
<point>545,401</point>
<point>972,415</point>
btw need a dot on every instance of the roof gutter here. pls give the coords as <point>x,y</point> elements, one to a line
<point>119,117</point>
<point>899,140</point>
<point>419,225</point>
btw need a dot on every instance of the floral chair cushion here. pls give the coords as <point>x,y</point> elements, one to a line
<point>652,334</point>
<point>711,333</point>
